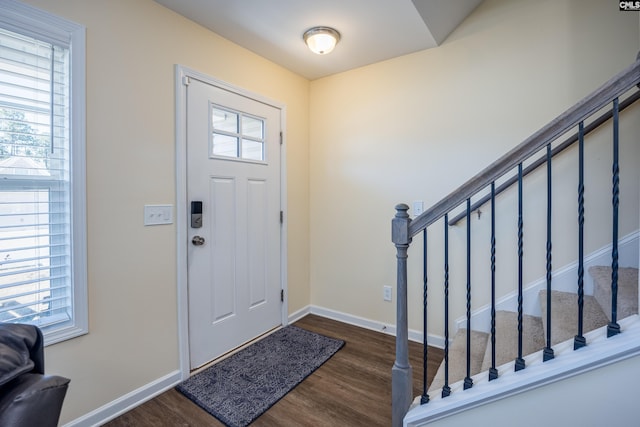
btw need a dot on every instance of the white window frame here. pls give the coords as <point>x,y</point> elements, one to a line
<point>21,18</point>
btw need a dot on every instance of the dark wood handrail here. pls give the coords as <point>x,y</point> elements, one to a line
<point>613,88</point>
<point>542,160</point>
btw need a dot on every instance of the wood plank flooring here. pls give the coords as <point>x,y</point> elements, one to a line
<point>353,388</point>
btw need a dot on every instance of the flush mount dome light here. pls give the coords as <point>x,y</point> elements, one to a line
<point>321,40</point>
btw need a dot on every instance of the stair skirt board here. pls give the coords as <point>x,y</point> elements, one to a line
<point>601,351</point>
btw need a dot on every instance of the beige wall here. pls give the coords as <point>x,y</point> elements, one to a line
<point>352,141</point>
<point>132,47</point>
<point>416,127</point>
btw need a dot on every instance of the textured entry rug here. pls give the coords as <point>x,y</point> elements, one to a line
<point>239,389</point>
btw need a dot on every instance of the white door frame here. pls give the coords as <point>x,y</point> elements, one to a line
<point>182,73</point>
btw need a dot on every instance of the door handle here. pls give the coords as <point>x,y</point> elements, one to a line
<point>197,241</point>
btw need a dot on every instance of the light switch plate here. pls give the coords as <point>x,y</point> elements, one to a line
<point>158,214</point>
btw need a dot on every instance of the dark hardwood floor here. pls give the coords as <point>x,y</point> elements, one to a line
<point>353,388</point>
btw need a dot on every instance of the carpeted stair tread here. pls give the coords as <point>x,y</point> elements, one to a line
<point>458,358</point>
<point>564,315</point>
<point>507,338</point>
<point>627,290</point>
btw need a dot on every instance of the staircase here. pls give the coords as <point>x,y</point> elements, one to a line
<point>574,327</point>
<point>564,317</point>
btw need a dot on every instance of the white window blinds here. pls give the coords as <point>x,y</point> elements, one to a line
<point>36,281</point>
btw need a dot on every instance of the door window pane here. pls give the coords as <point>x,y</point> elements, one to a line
<point>252,150</point>
<point>252,127</point>
<point>224,120</point>
<point>225,145</point>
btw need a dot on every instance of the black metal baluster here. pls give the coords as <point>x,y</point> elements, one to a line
<point>425,397</point>
<point>547,353</point>
<point>579,340</point>
<point>468,382</point>
<point>519,363</point>
<point>493,372</point>
<point>614,328</point>
<point>446,390</point>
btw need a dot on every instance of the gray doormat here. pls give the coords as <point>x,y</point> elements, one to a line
<point>239,389</point>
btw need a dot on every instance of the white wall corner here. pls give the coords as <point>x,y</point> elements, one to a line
<point>297,315</point>
<point>374,325</point>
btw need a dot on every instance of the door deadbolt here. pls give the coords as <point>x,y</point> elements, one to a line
<point>196,214</point>
<point>197,241</point>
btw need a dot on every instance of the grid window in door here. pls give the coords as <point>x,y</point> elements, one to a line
<point>236,135</point>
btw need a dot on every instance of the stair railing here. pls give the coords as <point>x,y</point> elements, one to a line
<point>404,229</point>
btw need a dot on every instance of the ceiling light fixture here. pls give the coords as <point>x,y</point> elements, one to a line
<point>321,40</point>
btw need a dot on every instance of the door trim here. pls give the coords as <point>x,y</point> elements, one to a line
<point>181,73</point>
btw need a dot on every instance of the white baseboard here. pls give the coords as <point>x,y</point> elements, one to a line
<point>374,325</point>
<point>127,402</point>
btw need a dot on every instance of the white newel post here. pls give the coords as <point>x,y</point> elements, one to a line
<point>401,374</point>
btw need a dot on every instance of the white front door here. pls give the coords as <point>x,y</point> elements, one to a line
<point>233,179</point>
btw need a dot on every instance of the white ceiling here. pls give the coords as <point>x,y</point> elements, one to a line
<point>371,30</point>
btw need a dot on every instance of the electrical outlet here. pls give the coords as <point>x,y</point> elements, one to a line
<point>418,207</point>
<point>387,293</point>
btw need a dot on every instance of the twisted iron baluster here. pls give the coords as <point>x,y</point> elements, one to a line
<point>493,372</point>
<point>468,381</point>
<point>579,340</point>
<point>614,328</point>
<point>425,397</point>
<point>547,353</point>
<point>519,363</point>
<point>446,390</point>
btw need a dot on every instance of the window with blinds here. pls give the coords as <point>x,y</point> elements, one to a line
<point>39,283</point>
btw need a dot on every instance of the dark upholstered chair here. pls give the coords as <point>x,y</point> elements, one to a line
<point>28,397</point>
